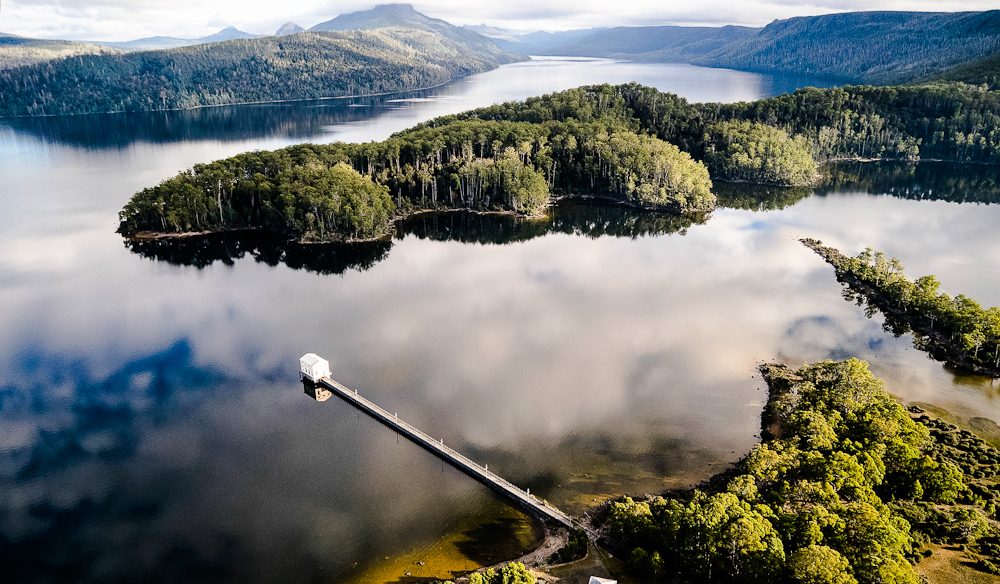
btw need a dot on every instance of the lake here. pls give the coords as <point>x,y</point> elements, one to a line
<point>152,425</point>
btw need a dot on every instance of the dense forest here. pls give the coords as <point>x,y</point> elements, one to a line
<point>982,72</point>
<point>870,47</point>
<point>628,143</point>
<point>742,151</point>
<point>301,66</point>
<point>846,488</point>
<point>948,121</point>
<point>352,191</point>
<point>858,47</point>
<point>956,329</point>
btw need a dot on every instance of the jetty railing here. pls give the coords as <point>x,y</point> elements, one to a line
<point>523,498</point>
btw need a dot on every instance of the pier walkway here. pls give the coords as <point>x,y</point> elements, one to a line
<point>436,446</point>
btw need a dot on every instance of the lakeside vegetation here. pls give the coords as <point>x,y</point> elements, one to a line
<point>925,181</point>
<point>957,330</point>
<point>627,143</point>
<point>846,487</point>
<point>741,151</point>
<point>351,191</point>
<point>301,66</point>
<point>940,121</point>
<point>984,72</point>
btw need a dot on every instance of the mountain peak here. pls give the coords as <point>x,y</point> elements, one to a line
<point>227,34</point>
<point>381,16</point>
<point>396,8</point>
<point>289,28</point>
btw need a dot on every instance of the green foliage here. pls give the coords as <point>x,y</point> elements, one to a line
<point>512,573</point>
<point>981,72</point>
<point>311,201</point>
<point>575,548</point>
<point>959,329</point>
<point>469,164</point>
<point>626,142</point>
<point>946,121</point>
<point>819,564</point>
<point>835,495</point>
<point>710,538</point>
<point>754,152</point>
<point>653,173</point>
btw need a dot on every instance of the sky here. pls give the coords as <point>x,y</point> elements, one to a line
<point>113,20</point>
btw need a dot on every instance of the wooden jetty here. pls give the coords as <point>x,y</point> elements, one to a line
<point>523,499</point>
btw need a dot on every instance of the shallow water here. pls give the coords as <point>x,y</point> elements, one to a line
<point>151,420</point>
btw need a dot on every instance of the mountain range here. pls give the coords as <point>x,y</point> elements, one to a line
<point>870,47</point>
<point>165,42</point>
<point>406,17</point>
<point>394,47</point>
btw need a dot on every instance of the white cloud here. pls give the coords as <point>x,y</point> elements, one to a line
<point>127,19</point>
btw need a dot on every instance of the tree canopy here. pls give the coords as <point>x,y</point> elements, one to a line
<point>845,489</point>
<point>957,329</point>
<point>758,153</point>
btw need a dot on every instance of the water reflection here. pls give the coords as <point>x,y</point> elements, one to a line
<point>151,422</point>
<point>298,121</point>
<point>759,197</point>
<point>573,217</point>
<point>926,181</point>
<point>374,118</point>
<point>930,181</point>
<point>227,248</point>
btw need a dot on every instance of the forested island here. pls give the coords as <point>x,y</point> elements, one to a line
<point>627,143</point>
<point>354,191</point>
<point>845,488</point>
<point>956,330</point>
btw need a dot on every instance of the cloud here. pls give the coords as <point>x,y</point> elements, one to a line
<point>128,19</point>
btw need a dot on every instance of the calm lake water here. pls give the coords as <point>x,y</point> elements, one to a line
<point>152,425</point>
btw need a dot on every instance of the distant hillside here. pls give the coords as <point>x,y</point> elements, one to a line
<point>648,43</point>
<point>983,72</point>
<point>17,51</point>
<point>306,65</point>
<point>545,43</point>
<point>388,16</point>
<point>871,47</point>
<point>880,47</point>
<point>230,33</point>
<point>491,31</point>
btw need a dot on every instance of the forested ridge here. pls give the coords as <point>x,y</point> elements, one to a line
<point>946,121</point>
<point>18,51</point>
<point>870,47</point>
<point>982,72</point>
<point>845,488</point>
<point>300,66</point>
<point>883,47</point>
<point>629,143</point>
<point>956,329</point>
